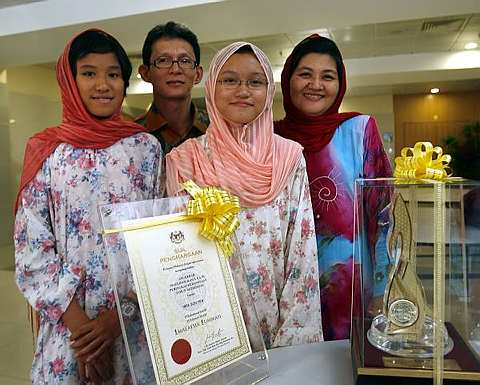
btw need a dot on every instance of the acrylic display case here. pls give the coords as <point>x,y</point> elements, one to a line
<point>416,284</point>
<point>142,353</point>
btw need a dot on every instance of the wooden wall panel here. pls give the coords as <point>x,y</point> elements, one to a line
<point>433,117</point>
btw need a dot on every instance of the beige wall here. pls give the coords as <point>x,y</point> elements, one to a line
<point>33,104</point>
<point>278,112</point>
<point>5,180</point>
<point>29,102</point>
<point>378,106</point>
<point>6,258</point>
<point>134,105</point>
<point>434,117</point>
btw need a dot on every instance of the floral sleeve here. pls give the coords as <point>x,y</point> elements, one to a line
<point>299,302</point>
<point>48,282</point>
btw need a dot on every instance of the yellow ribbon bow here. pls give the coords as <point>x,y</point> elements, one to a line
<point>217,209</point>
<point>423,161</point>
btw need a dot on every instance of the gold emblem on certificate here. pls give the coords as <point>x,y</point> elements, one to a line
<point>192,317</point>
<point>405,327</point>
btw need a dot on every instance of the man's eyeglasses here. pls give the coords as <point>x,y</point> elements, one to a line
<point>253,84</point>
<point>166,62</point>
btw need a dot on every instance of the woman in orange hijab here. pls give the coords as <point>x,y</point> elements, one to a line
<point>93,157</point>
<point>241,154</point>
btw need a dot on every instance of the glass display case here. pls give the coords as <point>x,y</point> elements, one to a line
<point>416,284</point>
<point>183,289</point>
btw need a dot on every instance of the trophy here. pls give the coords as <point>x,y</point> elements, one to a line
<point>405,327</point>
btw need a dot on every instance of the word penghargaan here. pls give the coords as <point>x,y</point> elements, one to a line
<point>196,324</point>
<point>183,255</point>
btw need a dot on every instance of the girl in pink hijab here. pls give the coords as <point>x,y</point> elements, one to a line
<point>241,154</point>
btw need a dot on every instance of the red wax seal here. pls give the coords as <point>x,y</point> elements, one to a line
<point>181,351</point>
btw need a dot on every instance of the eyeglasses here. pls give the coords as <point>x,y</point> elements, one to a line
<point>166,62</point>
<point>253,84</point>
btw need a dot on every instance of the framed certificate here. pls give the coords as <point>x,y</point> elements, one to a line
<point>192,316</point>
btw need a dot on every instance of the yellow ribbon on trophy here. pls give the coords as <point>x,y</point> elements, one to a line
<point>423,161</point>
<point>217,210</point>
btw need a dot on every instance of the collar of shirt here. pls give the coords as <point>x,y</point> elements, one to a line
<point>153,120</point>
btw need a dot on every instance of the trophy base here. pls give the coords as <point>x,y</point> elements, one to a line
<point>406,344</point>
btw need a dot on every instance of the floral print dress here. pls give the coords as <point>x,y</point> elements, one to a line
<point>59,248</point>
<point>276,243</point>
<point>355,151</point>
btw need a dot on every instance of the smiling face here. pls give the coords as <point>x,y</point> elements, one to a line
<point>173,82</point>
<point>243,103</point>
<point>314,84</point>
<point>100,84</point>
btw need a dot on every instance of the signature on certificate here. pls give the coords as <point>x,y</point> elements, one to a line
<point>213,335</point>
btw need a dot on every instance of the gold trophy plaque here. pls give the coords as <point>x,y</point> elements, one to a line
<point>405,326</point>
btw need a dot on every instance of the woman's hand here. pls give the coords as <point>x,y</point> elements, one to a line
<point>93,338</point>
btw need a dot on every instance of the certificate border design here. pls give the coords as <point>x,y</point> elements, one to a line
<point>158,359</point>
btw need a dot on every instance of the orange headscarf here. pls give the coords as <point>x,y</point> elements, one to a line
<point>78,128</point>
<point>250,161</point>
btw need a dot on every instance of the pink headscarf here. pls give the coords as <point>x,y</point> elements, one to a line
<point>250,161</point>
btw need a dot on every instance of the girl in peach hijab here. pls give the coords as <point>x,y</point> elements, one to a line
<point>241,154</point>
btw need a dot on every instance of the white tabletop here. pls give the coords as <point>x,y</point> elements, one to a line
<point>325,363</point>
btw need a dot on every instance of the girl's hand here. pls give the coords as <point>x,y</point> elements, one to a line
<point>82,371</point>
<point>100,369</point>
<point>94,337</point>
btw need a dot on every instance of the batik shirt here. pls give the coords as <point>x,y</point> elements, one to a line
<point>59,249</point>
<point>156,124</point>
<point>276,243</point>
<point>355,151</point>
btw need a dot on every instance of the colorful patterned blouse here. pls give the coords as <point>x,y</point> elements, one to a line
<point>59,248</point>
<point>355,151</point>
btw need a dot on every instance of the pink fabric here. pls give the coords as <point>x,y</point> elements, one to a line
<point>78,128</point>
<point>250,161</point>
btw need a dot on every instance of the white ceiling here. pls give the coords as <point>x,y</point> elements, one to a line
<point>389,46</point>
<point>12,3</point>
<point>441,34</point>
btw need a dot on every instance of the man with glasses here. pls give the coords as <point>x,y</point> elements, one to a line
<point>171,63</point>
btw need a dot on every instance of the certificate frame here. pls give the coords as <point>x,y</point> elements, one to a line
<point>146,357</point>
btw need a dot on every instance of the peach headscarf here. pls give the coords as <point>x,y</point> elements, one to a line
<point>250,161</point>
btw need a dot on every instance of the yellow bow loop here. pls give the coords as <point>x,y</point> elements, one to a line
<point>423,161</point>
<point>217,209</point>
